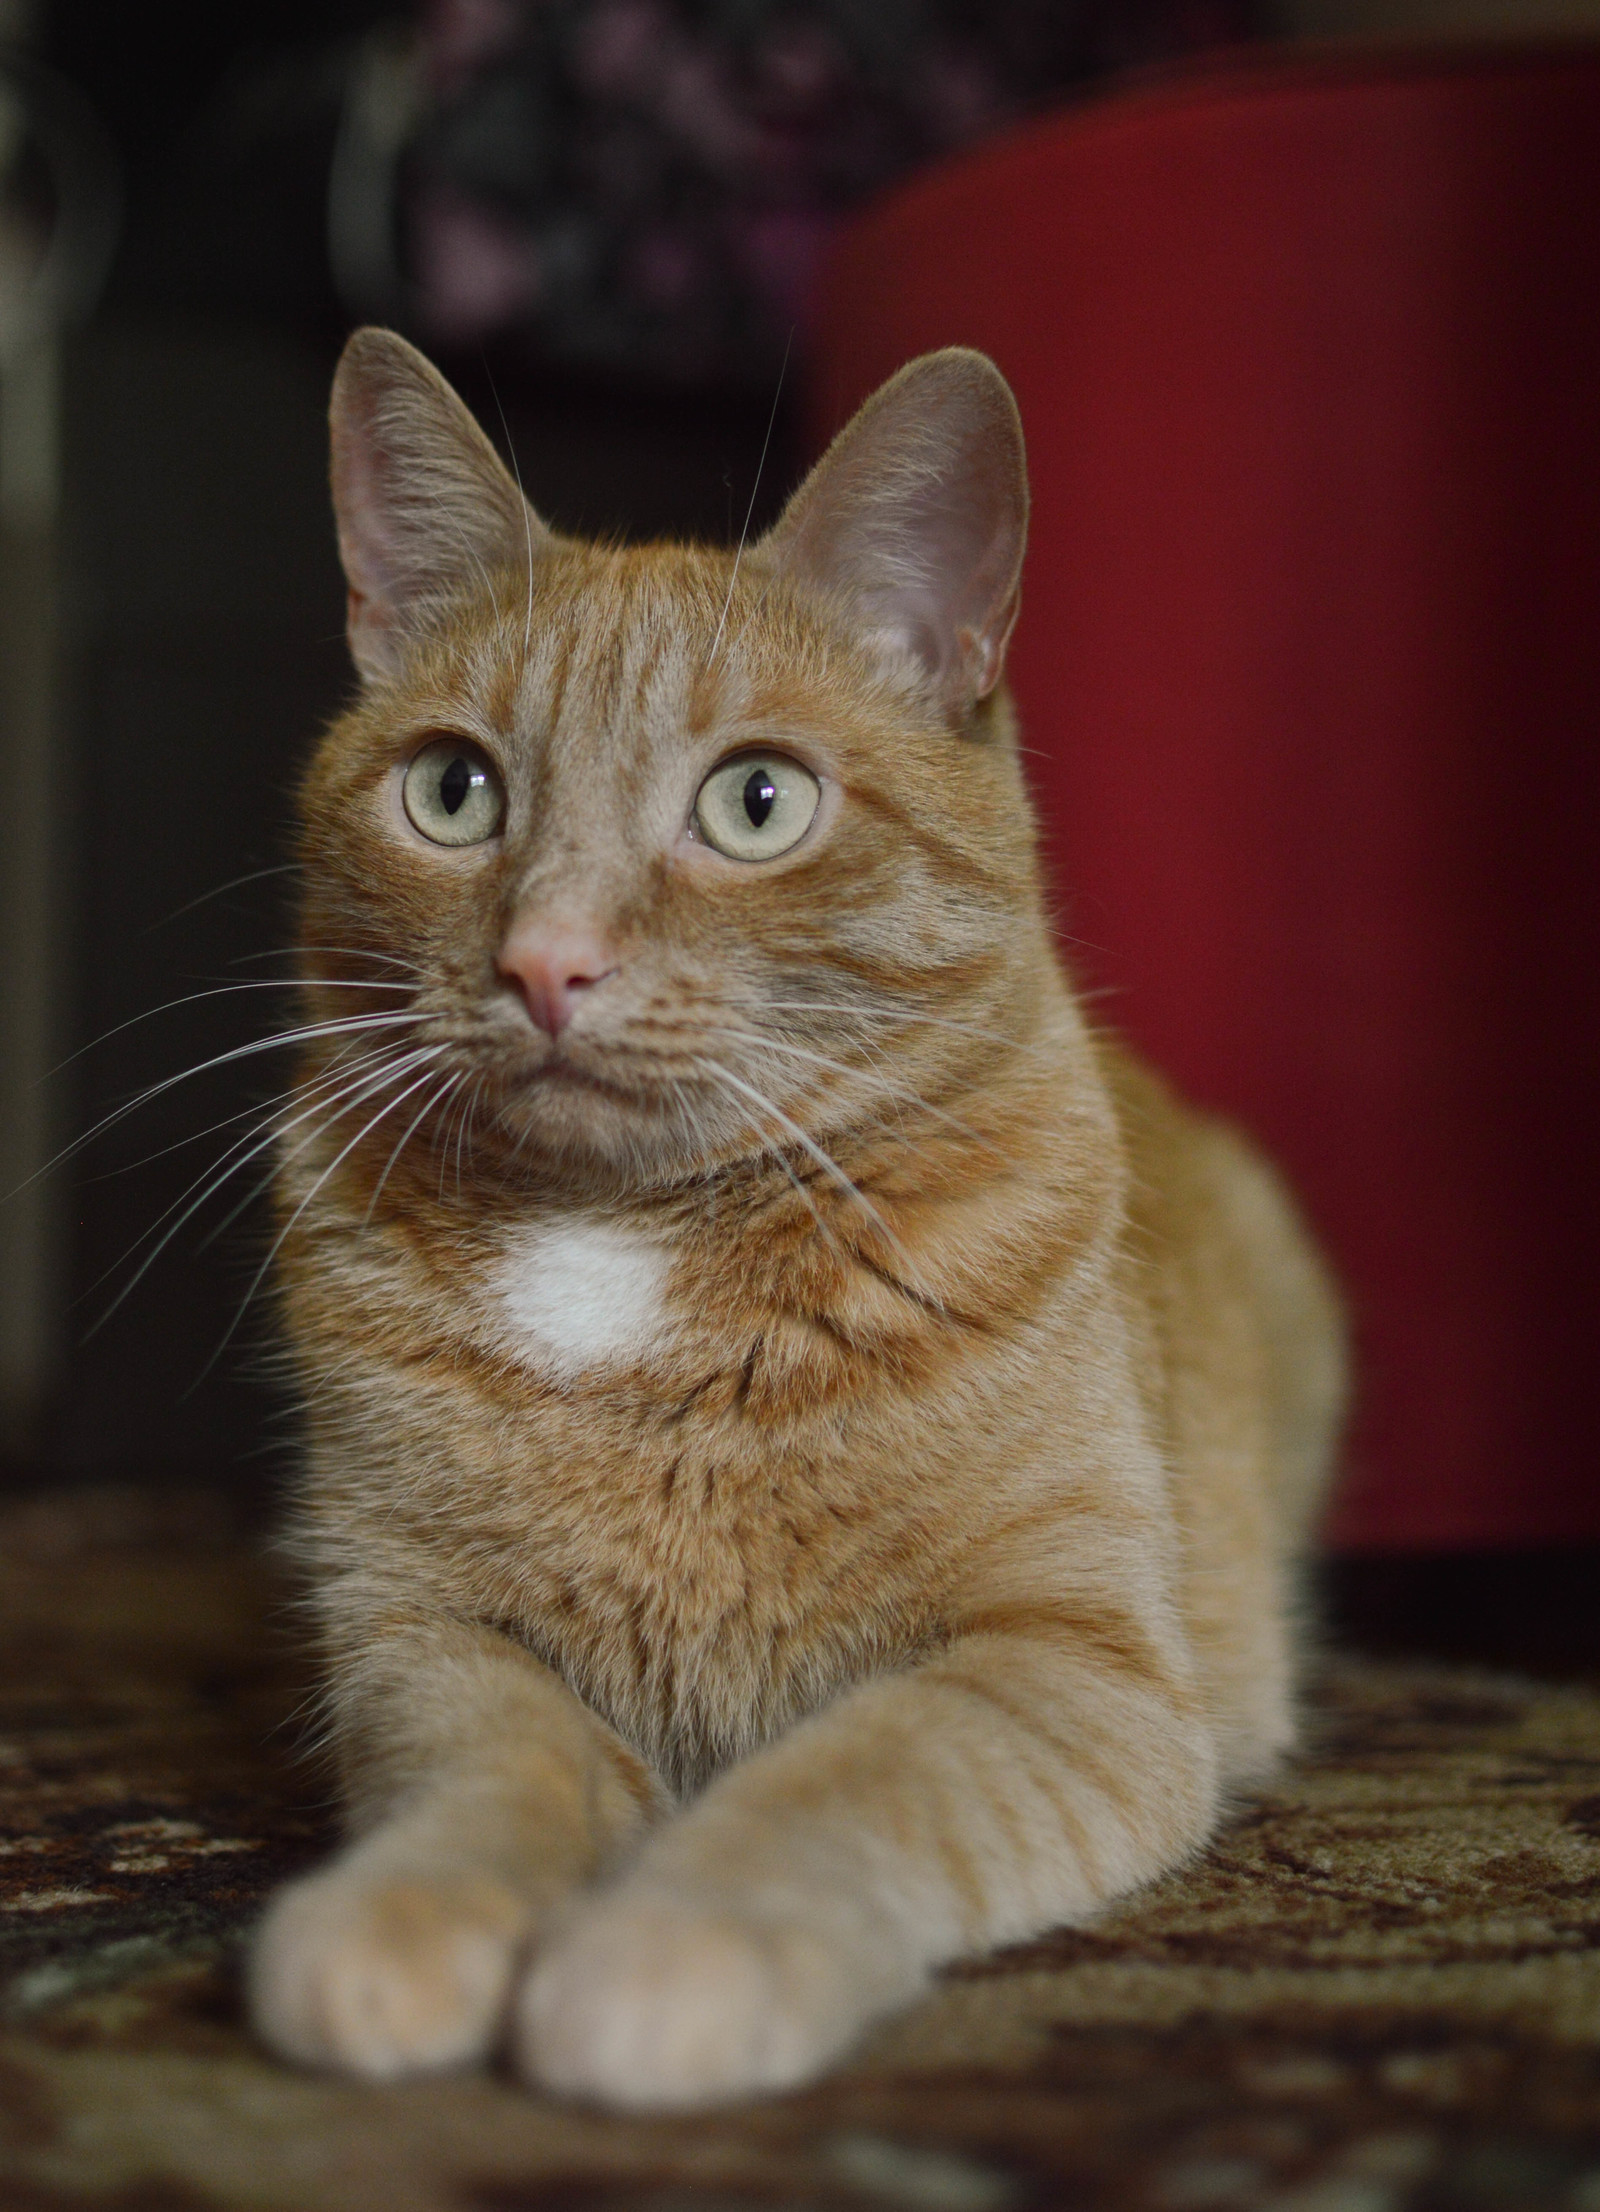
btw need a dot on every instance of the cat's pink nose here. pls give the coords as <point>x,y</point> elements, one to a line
<point>552,968</point>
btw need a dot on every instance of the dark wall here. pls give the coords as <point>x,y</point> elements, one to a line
<point>203,648</point>
<point>205,616</point>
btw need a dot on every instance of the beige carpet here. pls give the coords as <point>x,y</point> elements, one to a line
<point>1381,1990</point>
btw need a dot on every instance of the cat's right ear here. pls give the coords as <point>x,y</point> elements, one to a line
<point>914,521</point>
<point>422,500</point>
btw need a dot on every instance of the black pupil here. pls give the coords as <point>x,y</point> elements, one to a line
<point>455,784</point>
<point>759,793</point>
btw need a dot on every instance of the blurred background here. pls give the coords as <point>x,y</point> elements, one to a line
<point>609,220</point>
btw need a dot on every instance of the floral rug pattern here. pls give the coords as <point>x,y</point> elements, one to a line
<point>1378,1992</point>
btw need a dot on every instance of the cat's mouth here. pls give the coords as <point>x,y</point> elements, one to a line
<point>558,1074</point>
<point>645,1106</point>
<point>626,1122</point>
<point>562,1074</point>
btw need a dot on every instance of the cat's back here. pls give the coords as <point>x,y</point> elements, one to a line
<point>1244,1370</point>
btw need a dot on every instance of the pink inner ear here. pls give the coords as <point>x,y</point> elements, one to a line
<point>423,503</point>
<point>368,628</point>
<point>360,527</point>
<point>370,604</point>
<point>985,651</point>
<point>917,517</point>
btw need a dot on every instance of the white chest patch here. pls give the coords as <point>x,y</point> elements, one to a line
<point>581,1293</point>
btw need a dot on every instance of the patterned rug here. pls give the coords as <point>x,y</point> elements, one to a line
<point>1380,1992</point>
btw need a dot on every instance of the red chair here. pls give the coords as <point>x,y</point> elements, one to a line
<point>1308,353</point>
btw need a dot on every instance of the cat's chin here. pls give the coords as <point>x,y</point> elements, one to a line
<point>595,1131</point>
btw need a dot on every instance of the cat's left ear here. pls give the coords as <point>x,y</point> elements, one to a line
<point>423,502</point>
<point>914,523</point>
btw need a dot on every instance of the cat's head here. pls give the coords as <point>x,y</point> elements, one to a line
<point>662,855</point>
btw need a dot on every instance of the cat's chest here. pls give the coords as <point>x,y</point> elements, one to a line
<point>679,1505</point>
<point>576,1295</point>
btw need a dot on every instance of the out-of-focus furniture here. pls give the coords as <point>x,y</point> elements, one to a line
<point>1308,354</point>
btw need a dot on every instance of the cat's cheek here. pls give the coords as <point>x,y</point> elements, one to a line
<point>649,2003</point>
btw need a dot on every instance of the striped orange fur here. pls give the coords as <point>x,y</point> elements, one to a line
<point>808,1442</point>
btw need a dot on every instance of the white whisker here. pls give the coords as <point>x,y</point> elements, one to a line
<point>775,1151</point>
<point>462,1117</point>
<point>750,510</point>
<point>217,1175</point>
<point>760,1041</point>
<point>337,1069</point>
<point>222,990</point>
<point>339,952</point>
<point>900,1014</point>
<point>451,1083</point>
<point>279,1240</point>
<point>353,1095</point>
<point>243,1113</point>
<point>235,883</point>
<point>824,1160</point>
<point>527,523</point>
<point>305,1033</point>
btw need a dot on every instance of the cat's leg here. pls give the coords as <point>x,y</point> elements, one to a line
<point>482,1792</point>
<point>1022,1777</point>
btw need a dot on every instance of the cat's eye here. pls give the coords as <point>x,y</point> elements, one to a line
<point>452,794</point>
<point>756,806</point>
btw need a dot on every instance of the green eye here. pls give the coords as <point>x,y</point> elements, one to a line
<point>452,794</point>
<point>757,806</point>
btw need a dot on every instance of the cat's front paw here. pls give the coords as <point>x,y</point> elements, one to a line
<point>386,1974</point>
<point>655,2002</point>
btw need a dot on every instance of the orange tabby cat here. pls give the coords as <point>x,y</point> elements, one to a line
<point>808,1444</point>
